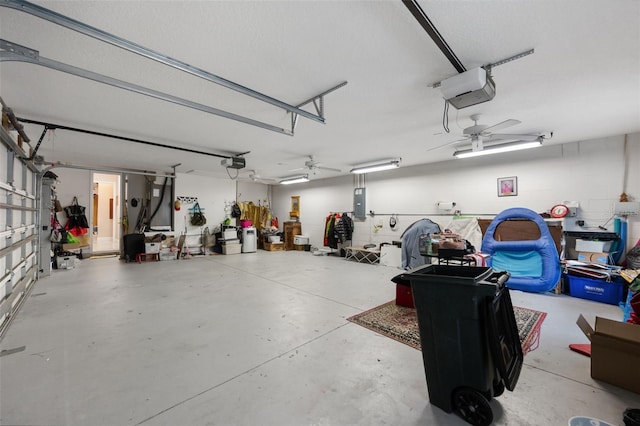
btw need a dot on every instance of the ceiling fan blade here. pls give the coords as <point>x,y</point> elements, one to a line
<point>511,137</point>
<point>448,144</point>
<point>502,125</point>
<point>329,169</point>
<point>298,169</point>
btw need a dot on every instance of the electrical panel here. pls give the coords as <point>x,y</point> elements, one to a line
<point>359,203</point>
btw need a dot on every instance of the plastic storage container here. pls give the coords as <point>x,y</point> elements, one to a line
<point>300,240</point>
<point>469,336</point>
<point>598,290</point>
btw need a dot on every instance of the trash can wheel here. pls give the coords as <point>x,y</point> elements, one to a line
<point>473,407</point>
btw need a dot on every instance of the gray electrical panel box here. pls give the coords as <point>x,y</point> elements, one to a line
<point>359,203</point>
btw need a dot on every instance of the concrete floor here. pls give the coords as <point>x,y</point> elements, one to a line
<point>258,339</point>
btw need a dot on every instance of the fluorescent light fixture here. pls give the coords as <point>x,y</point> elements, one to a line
<point>377,166</point>
<point>295,179</point>
<point>495,149</point>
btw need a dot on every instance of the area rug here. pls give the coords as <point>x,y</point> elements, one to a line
<point>401,323</point>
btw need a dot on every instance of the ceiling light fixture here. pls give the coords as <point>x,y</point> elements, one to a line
<point>496,149</point>
<point>295,179</point>
<point>377,166</point>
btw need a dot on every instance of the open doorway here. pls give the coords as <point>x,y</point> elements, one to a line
<point>105,213</point>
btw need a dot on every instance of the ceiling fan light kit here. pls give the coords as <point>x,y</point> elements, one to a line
<point>393,163</point>
<point>294,179</point>
<point>496,149</point>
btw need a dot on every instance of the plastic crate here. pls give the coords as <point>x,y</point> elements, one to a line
<point>300,240</point>
<point>230,248</point>
<point>152,247</point>
<point>66,262</point>
<point>168,255</point>
<point>598,290</point>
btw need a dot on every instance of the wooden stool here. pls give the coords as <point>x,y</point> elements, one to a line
<point>145,256</point>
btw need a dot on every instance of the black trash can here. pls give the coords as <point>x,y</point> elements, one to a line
<point>133,245</point>
<point>469,337</point>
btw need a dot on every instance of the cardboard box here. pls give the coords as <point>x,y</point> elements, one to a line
<point>170,241</point>
<point>615,352</point>
<point>274,246</point>
<point>593,246</point>
<point>603,258</point>
<point>152,247</point>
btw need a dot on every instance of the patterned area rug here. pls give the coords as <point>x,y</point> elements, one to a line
<point>401,323</point>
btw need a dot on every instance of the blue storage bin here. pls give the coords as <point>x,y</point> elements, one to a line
<point>598,290</point>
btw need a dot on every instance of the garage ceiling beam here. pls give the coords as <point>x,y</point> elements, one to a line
<point>433,32</point>
<point>15,52</point>
<point>52,126</point>
<point>72,24</point>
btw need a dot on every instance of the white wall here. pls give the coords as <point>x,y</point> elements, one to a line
<point>589,172</point>
<point>74,183</point>
<point>257,193</point>
<point>212,193</point>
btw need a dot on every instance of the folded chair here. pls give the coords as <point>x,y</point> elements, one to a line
<point>534,265</point>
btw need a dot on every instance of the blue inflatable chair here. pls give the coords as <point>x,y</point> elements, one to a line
<point>534,264</point>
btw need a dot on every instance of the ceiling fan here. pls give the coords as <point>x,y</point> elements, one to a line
<point>313,166</point>
<point>479,134</point>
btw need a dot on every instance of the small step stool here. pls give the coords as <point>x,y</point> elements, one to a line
<point>147,257</point>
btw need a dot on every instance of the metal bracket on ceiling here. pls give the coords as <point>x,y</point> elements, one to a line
<point>489,67</point>
<point>318,103</point>
<point>72,24</point>
<point>14,52</point>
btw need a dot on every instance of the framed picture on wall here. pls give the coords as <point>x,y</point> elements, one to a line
<point>295,206</point>
<point>508,186</point>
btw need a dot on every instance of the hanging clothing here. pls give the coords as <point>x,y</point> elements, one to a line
<point>411,257</point>
<point>344,228</point>
<point>258,215</point>
<point>325,239</point>
<point>329,229</point>
<point>332,237</point>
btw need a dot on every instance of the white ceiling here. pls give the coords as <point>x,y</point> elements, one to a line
<point>582,82</point>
